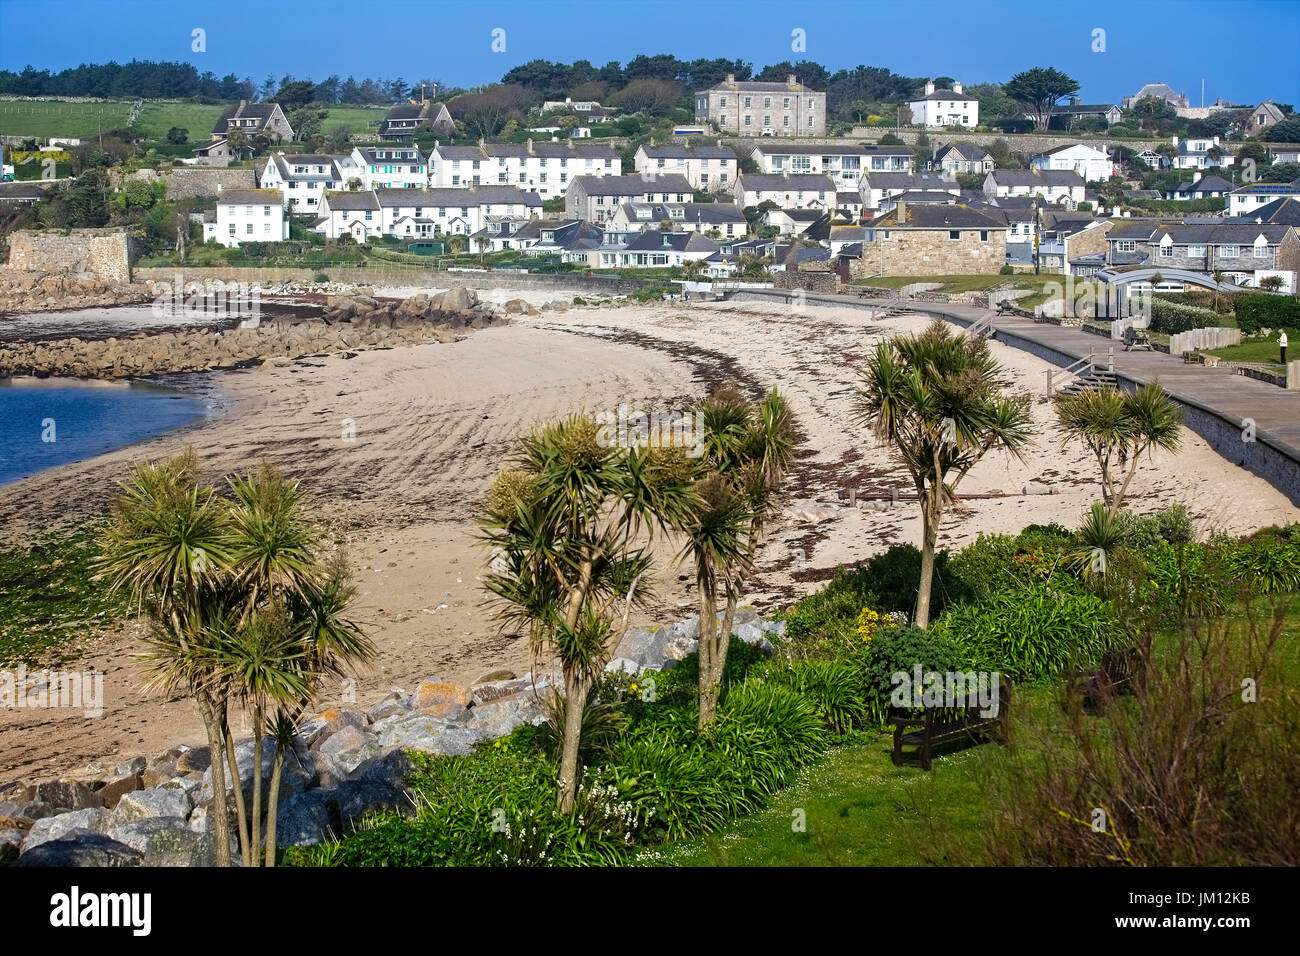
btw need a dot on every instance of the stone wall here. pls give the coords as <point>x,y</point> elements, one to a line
<point>1209,338</point>
<point>411,278</point>
<point>1019,142</point>
<point>105,253</point>
<point>809,281</point>
<point>929,252</point>
<point>188,182</point>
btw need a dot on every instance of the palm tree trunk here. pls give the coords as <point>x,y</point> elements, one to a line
<point>708,645</point>
<point>239,791</point>
<point>575,699</point>
<point>273,805</point>
<point>220,825</point>
<point>929,541</point>
<point>255,821</point>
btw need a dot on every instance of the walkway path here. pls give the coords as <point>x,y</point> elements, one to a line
<point>1221,405</point>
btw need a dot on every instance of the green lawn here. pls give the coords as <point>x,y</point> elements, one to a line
<point>77,120</point>
<point>361,119</point>
<point>1260,351</point>
<point>158,117</point>
<point>858,809</point>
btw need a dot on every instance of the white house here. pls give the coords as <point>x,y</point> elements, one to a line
<point>1200,153</point>
<point>391,167</point>
<point>655,248</point>
<point>723,217</point>
<point>876,189</point>
<point>420,213</point>
<point>248,215</point>
<point>595,199</point>
<point>786,190</point>
<point>546,169</point>
<point>302,179</point>
<point>962,158</point>
<point>1246,199</point>
<point>708,168</point>
<point>1091,163</point>
<point>844,164</point>
<point>1055,186</point>
<point>945,108</point>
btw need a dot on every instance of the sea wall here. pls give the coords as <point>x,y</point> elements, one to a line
<point>104,253</point>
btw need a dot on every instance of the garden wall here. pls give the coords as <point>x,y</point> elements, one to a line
<point>105,253</point>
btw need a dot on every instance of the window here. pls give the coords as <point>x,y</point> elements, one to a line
<point>746,102</point>
<point>1261,250</point>
<point>749,120</point>
<point>785,103</point>
<point>954,234</point>
<point>1229,252</point>
<point>785,121</point>
<point>266,227</point>
<point>767,120</point>
<point>1126,245</point>
<point>248,230</point>
<point>984,235</point>
<point>266,210</point>
<point>1196,252</point>
<point>810,122</point>
<point>232,228</point>
<point>722,101</point>
<point>1167,250</point>
<point>767,102</point>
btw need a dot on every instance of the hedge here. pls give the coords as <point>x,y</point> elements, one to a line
<point>1170,318</point>
<point>1264,310</point>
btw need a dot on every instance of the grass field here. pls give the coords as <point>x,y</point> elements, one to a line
<point>85,120</point>
<point>1260,351</point>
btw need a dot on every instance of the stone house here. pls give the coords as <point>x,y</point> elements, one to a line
<point>707,168</point>
<point>787,191</point>
<point>752,108</point>
<point>404,121</point>
<point>595,199</point>
<point>933,240</point>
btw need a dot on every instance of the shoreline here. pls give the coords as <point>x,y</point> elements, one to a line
<point>434,423</point>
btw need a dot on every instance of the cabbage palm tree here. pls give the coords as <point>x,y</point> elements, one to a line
<point>747,450</point>
<point>571,521</point>
<point>937,399</point>
<point>242,613</point>
<point>1119,427</point>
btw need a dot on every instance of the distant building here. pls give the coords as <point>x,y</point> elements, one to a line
<point>1263,116</point>
<point>786,190</point>
<point>391,167</point>
<point>302,179</point>
<point>845,164</point>
<point>1055,186</point>
<point>943,239</point>
<point>251,119</point>
<point>595,199</point>
<point>962,158</point>
<point>1063,117</point>
<point>1092,163</point>
<point>750,108</point>
<point>707,168</point>
<point>1249,199</point>
<point>1157,91</point>
<point>247,215</point>
<point>404,121</point>
<point>954,107</point>
<point>1201,187</point>
<point>544,168</point>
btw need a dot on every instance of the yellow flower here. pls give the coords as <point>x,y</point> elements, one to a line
<point>867,622</point>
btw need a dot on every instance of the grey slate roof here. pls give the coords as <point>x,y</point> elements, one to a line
<point>258,111</point>
<point>775,182</point>
<point>1285,210</point>
<point>632,185</point>
<point>1036,177</point>
<point>653,239</point>
<point>682,151</point>
<point>351,201</point>
<point>457,196</point>
<point>940,216</point>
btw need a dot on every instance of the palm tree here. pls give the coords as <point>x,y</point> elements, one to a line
<point>241,612</point>
<point>571,522</point>
<point>936,398</point>
<point>1118,428</point>
<point>747,450</point>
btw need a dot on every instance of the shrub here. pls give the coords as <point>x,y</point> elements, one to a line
<point>1170,318</point>
<point>1171,525</point>
<point>1006,270</point>
<point>835,686</point>
<point>1261,310</point>
<point>1035,633</point>
<point>901,649</point>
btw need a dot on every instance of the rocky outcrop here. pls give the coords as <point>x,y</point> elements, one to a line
<point>350,323</point>
<point>343,763</point>
<point>24,291</point>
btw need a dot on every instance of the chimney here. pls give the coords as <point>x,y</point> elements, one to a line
<point>1175,140</point>
<point>243,103</point>
<point>929,87</point>
<point>1196,176</point>
<point>956,87</point>
<point>901,210</point>
<point>731,79</point>
<point>790,81</point>
<point>531,151</point>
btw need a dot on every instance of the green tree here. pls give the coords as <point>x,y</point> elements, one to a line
<point>1039,90</point>
<point>570,522</point>
<point>747,450</point>
<point>1119,428</point>
<point>177,135</point>
<point>241,612</point>
<point>936,399</point>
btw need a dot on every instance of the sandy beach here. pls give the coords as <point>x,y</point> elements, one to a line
<point>434,422</point>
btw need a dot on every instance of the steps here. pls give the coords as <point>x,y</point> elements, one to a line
<point>1094,378</point>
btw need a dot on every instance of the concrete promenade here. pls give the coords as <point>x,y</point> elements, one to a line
<point>1251,423</point>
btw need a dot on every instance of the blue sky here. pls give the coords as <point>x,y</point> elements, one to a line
<point>1250,52</point>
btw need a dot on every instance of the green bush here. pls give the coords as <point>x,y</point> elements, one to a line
<point>1035,633</point>
<point>1171,525</point>
<point>899,650</point>
<point>1170,318</point>
<point>1263,310</point>
<point>834,685</point>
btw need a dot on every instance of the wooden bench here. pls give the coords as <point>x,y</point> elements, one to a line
<point>935,726</point>
<point>1121,672</point>
<point>1004,307</point>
